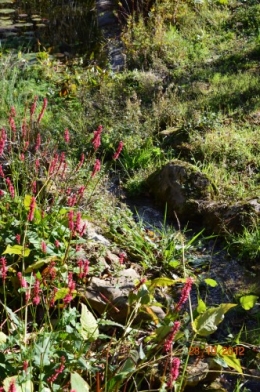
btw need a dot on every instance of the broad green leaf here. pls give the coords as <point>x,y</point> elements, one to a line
<point>201,308</point>
<point>43,351</point>
<point>128,367</point>
<point>16,250</point>
<point>39,263</point>
<point>231,360</point>
<point>63,211</point>
<point>27,202</point>
<point>78,383</point>
<point>161,282</point>
<point>89,326</point>
<point>61,293</point>
<point>13,317</point>
<point>110,322</point>
<point>37,216</point>
<point>126,370</point>
<point>206,323</point>
<point>174,263</point>
<point>26,386</point>
<point>162,332</point>
<point>248,301</point>
<point>211,282</point>
<point>3,338</point>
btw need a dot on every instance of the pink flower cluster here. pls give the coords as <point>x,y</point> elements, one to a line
<point>122,257</point>
<point>168,342</point>
<point>79,165</point>
<point>118,151</point>
<point>33,107</point>
<point>38,142</point>
<point>96,141</point>
<point>57,371</point>
<point>71,286</point>
<point>12,124</point>
<point>10,187</point>
<point>2,172</point>
<point>83,268</point>
<point>12,387</point>
<point>66,135</point>
<point>74,198</point>
<point>25,366</point>
<point>184,294</point>
<point>96,168</point>
<point>3,268</point>
<point>24,285</point>
<point>3,139</point>
<point>174,371</point>
<point>36,292</point>
<point>44,105</point>
<point>76,225</point>
<point>52,299</point>
<point>31,209</point>
<point>44,247</point>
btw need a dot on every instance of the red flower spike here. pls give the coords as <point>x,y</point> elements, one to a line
<point>1,172</point>
<point>3,140</point>
<point>36,292</point>
<point>184,294</point>
<point>10,187</point>
<point>12,387</point>
<point>38,142</point>
<point>33,107</point>
<point>118,151</point>
<point>25,366</point>
<point>169,340</point>
<point>12,111</point>
<point>44,105</point>
<point>3,268</point>
<point>31,209</point>
<point>174,372</point>
<point>96,141</point>
<point>96,168</point>
<point>44,247</point>
<point>66,135</point>
<point>71,221</point>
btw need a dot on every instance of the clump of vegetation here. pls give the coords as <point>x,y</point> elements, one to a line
<point>48,333</point>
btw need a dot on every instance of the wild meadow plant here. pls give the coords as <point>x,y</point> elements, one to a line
<point>42,229</point>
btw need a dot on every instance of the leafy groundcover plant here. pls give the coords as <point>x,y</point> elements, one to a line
<point>51,339</point>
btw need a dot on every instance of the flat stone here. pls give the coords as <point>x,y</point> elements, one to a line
<point>111,296</point>
<point>91,233</point>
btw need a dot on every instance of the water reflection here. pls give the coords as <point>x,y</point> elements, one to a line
<point>63,26</point>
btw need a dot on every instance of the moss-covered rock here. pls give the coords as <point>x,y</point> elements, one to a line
<point>180,185</point>
<point>192,196</point>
